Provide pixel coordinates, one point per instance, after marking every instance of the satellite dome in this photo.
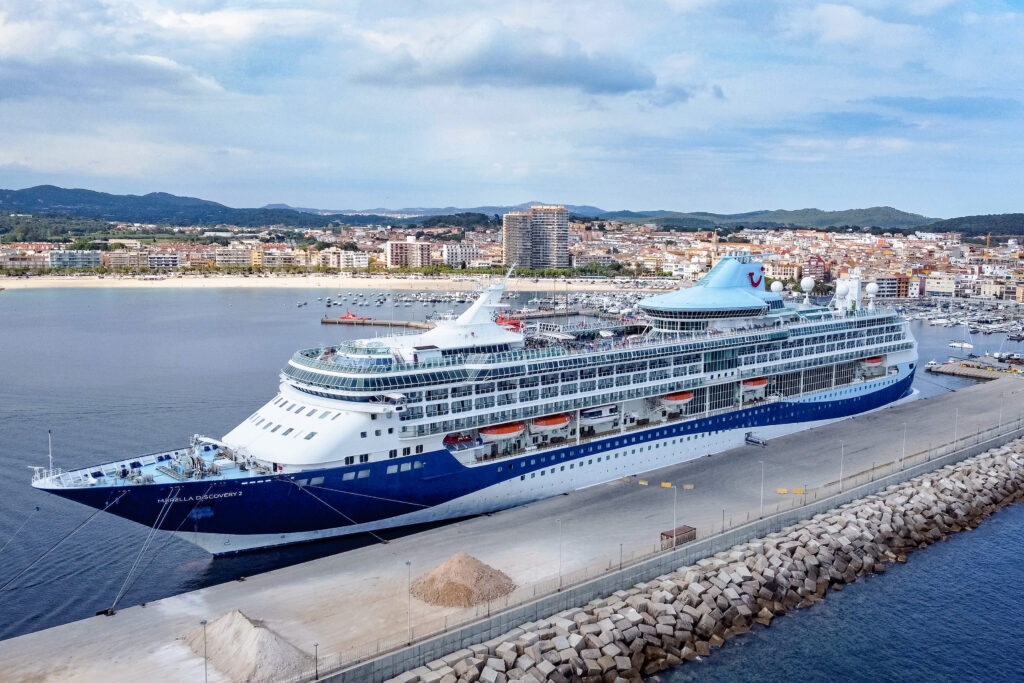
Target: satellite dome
(777, 286)
(842, 289)
(872, 288)
(807, 284)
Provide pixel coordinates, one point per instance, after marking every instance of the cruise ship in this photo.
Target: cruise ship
(477, 415)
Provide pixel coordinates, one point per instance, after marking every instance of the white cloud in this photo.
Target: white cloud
(845, 25)
(108, 152)
(489, 53)
(233, 25)
(112, 77)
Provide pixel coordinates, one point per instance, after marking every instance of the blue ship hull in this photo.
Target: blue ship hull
(290, 508)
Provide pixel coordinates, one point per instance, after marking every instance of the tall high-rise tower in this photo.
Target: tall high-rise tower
(538, 238)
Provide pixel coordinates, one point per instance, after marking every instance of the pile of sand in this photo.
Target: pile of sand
(462, 581)
(245, 650)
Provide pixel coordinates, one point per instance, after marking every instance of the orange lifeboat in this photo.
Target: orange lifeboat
(677, 398)
(501, 432)
(550, 422)
(873, 360)
(755, 383)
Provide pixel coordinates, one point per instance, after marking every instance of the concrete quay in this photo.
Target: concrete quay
(644, 628)
(583, 534)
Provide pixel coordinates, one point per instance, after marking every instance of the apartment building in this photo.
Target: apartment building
(407, 254)
(538, 238)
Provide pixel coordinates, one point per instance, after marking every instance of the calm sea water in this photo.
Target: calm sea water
(121, 372)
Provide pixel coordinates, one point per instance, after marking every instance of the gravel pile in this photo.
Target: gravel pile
(642, 630)
(243, 650)
(462, 581)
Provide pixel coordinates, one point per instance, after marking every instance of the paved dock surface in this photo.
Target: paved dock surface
(359, 597)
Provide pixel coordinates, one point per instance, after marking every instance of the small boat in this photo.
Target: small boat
(457, 439)
(550, 422)
(755, 383)
(873, 360)
(509, 430)
(961, 345)
(931, 364)
(677, 399)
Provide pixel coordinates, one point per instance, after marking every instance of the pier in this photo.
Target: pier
(552, 547)
(979, 371)
(377, 322)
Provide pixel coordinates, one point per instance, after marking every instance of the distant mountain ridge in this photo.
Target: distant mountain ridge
(588, 211)
(878, 216)
(161, 207)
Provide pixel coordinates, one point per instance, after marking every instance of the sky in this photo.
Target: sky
(690, 105)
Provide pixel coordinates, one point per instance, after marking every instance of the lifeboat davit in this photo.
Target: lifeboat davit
(755, 383)
(873, 360)
(550, 422)
(677, 399)
(501, 432)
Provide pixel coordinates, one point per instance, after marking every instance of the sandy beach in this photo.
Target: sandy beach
(319, 281)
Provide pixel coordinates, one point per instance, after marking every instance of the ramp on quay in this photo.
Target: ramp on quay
(356, 602)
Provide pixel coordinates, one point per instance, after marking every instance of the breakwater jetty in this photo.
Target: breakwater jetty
(645, 628)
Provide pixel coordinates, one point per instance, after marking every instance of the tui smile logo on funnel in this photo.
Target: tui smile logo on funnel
(756, 283)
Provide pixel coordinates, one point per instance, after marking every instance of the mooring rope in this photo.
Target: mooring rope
(161, 516)
(351, 521)
(18, 530)
(64, 538)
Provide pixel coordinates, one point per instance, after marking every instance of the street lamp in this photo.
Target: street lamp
(205, 675)
(408, 612)
(316, 661)
(903, 457)
(956, 427)
(842, 455)
(762, 487)
(559, 554)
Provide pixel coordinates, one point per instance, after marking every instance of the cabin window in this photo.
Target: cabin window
(275, 429)
(310, 435)
(362, 435)
(363, 474)
(419, 449)
(287, 431)
(406, 450)
(365, 457)
(417, 465)
(350, 460)
(392, 469)
(393, 453)
(348, 476)
(405, 467)
(324, 414)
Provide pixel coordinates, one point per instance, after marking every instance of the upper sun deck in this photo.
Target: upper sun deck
(729, 306)
(383, 360)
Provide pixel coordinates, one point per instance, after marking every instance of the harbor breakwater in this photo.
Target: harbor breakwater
(679, 616)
